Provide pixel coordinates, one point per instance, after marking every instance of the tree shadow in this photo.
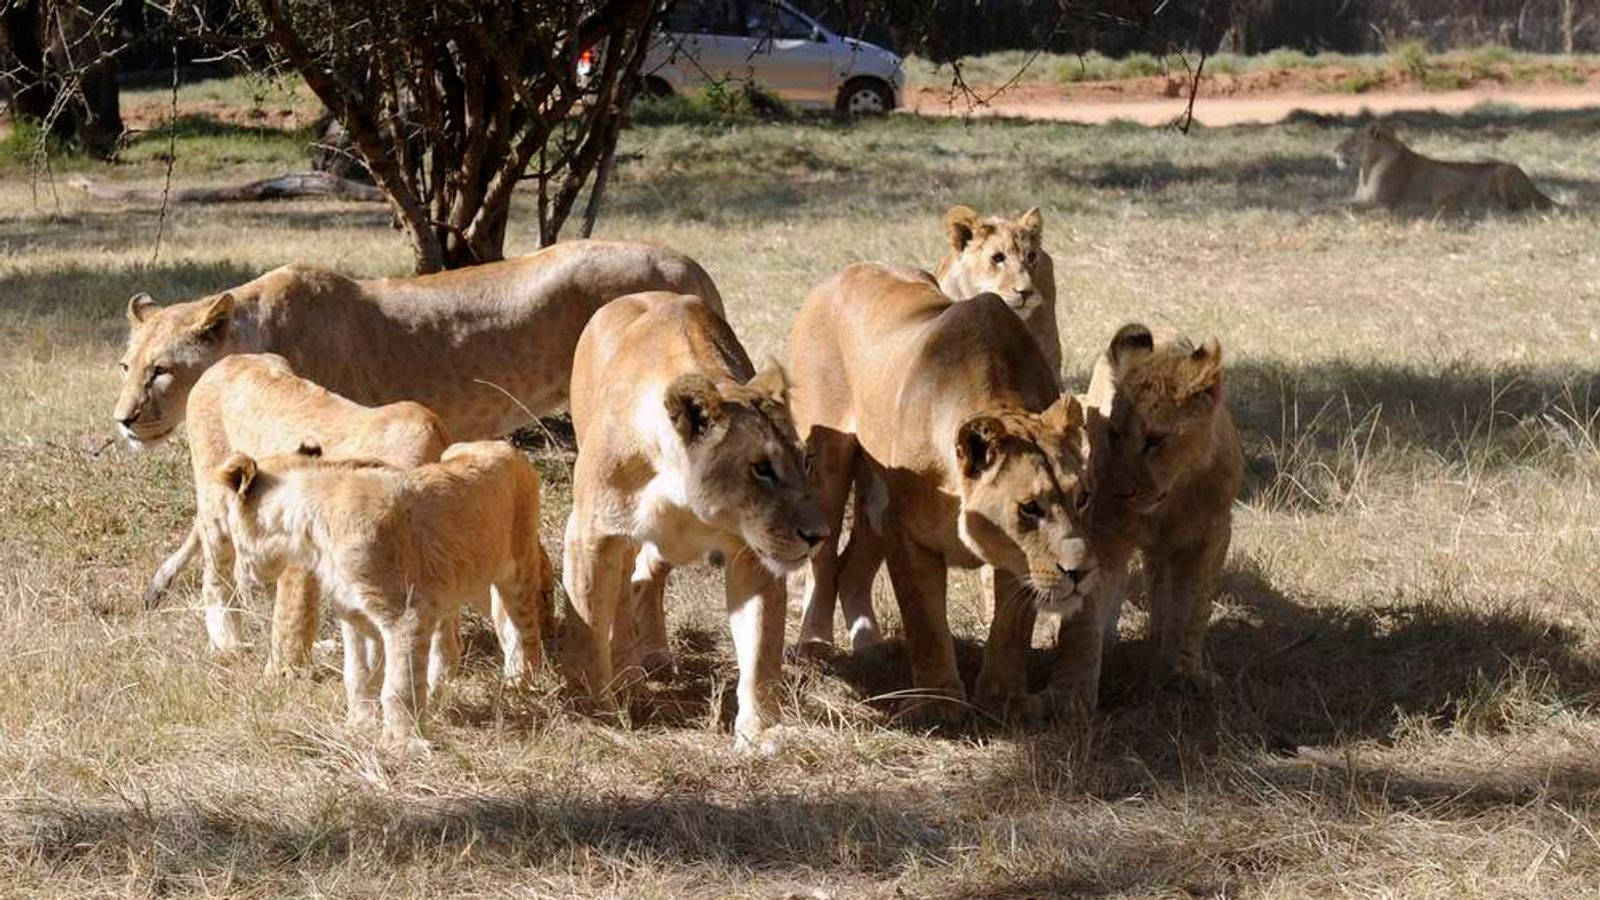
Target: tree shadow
(1334, 413)
(1488, 120)
(770, 829)
(98, 295)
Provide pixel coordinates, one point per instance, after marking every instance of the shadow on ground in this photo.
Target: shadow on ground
(1330, 412)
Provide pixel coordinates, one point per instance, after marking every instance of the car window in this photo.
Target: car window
(768, 19)
(705, 17)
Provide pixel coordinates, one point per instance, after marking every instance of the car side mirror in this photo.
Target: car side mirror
(817, 36)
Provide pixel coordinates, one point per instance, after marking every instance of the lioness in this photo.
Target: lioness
(948, 420)
(1168, 464)
(1393, 176)
(254, 403)
(683, 454)
(398, 549)
(484, 347)
(1000, 256)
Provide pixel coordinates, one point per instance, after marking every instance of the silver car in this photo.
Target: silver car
(772, 45)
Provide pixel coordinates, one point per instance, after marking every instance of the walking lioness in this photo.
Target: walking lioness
(948, 421)
(683, 455)
(1395, 177)
(484, 347)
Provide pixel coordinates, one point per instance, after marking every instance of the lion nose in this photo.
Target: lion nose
(1024, 293)
(1073, 576)
(812, 536)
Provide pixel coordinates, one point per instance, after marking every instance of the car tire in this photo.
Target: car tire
(865, 97)
(655, 88)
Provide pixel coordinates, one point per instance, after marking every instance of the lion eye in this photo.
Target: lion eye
(158, 371)
(998, 258)
(123, 366)
(1152, 442)
(762, 471)
(1030, 511)
(1082, 501)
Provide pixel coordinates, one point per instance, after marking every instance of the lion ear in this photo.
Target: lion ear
(978, 444)
(695, 407)
(961, 223)
(140, 306)
(1064, 415)
(772, 380)
(1131, 343)
(1032, 223)
(237, 473)
(214, 319)
(1204, 370)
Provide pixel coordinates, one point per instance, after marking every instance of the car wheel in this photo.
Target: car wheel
(865, 97)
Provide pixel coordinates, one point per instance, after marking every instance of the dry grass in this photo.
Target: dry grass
(1407, 636)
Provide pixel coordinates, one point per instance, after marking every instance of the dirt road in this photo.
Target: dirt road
(1041, 102)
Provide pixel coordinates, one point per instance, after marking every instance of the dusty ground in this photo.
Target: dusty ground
(1407, 641)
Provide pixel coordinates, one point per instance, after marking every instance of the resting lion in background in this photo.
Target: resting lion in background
(1395, 177)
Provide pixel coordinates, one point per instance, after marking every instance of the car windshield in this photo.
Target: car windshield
(706, 17)
(769, 20)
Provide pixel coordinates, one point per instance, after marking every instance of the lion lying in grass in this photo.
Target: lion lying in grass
(1395, 177)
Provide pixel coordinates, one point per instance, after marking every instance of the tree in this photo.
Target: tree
(62, 69)
(451, 104)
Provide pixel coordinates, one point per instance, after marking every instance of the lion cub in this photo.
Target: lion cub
(1169, 472)
(684, 454)
(1004, 257)
(398, 549)
(256, 404)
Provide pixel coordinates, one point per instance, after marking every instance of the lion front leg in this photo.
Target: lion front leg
(757, 606)
(295, 610)
(1002, 688)
(404, 696)
(594, 570)
(221, 595)
(1183, 588)
(651, 650)
(1081, 645)
(921, 586)
(831, 455)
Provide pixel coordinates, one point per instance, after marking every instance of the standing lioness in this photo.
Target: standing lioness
(484, 347)
(948, 421)
(683, 454)
(1393, 176)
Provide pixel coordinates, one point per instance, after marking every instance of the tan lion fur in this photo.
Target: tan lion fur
(1005, 257)
(1168, 465)
(1393, 176)
(684, 454)
(255, 404)
(946, 418)
(397, 550)
(485, 347)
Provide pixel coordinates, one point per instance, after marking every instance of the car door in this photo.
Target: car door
(705, 42)
(792, 57)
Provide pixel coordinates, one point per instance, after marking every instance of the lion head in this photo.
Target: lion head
(1025, 497)
(168, 349)
(1160, 423)
(745, 469)
(263, 547)
(993, 255)
(1365, 146)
